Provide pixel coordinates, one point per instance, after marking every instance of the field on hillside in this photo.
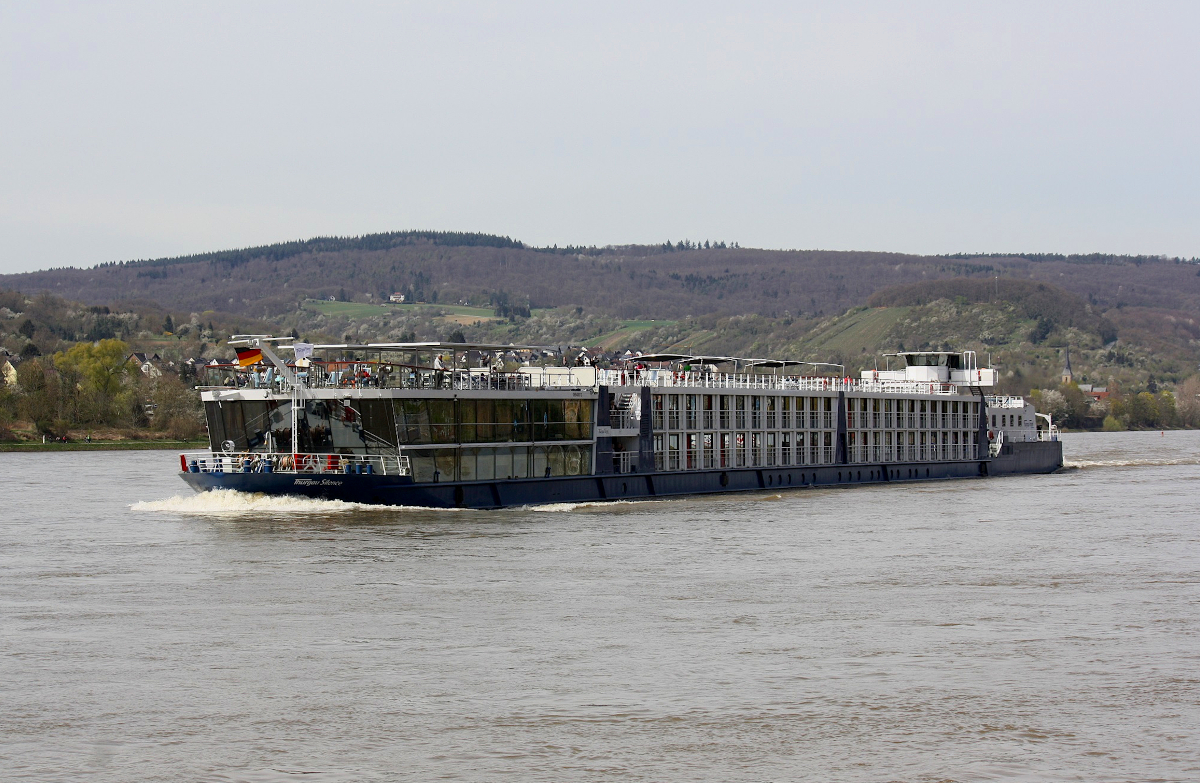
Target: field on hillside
(453, 313)
(850, 334)
(617, 337)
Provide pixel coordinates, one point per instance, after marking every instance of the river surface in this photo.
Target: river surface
(1037, 628)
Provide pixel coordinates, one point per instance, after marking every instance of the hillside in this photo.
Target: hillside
(668, 281)
(1126, 318)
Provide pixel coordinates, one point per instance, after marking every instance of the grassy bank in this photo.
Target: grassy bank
(107, 445)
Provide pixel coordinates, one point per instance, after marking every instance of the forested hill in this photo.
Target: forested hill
(670, 280)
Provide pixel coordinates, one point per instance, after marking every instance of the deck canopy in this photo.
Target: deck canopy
(435, 347)
(774, 363)
(663, 357)
(249, 339)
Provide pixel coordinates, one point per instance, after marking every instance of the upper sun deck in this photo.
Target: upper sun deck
(481, 367)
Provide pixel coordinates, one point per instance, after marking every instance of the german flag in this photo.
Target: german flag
(248, 356)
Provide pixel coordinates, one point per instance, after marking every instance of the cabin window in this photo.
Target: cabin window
(577, 461)
(493, 463)
(673, 412)
(504, 463)
(556, 459)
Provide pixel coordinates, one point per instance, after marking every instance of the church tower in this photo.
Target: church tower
(1067, 376)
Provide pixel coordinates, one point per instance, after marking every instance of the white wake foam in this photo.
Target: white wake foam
(1126, 462)
(593, 504)
(230, 502)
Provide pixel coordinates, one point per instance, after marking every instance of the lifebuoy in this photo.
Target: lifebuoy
(991, 435)
(876, 376)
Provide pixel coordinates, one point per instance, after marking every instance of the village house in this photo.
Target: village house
(147, 363)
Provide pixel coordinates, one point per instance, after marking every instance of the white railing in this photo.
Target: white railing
(623, 420)
(258, 462)
(725, 380)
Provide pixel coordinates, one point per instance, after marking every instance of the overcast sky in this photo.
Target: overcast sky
(137, 130)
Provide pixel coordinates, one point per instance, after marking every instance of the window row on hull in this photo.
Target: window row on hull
(704, 450)
(756, 411)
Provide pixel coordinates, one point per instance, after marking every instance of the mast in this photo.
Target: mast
(297, 387)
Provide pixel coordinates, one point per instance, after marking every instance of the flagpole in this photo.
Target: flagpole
(292, 379)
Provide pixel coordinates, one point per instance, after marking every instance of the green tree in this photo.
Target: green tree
(1167, 414)
(27, 329)
(168, 326)
(1077, 405)
(176, 408)
(1143, 410)
(38, 397)
(97, 374)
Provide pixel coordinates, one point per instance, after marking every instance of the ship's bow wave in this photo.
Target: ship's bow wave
(230, 502)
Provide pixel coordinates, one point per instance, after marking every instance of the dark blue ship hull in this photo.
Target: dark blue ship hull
(402, 491)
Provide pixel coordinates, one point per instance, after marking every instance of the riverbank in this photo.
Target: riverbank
(107, 445)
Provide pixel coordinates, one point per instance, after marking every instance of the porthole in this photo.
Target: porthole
(770, 480)
(859, 476)
(624, 488)
(839, 477)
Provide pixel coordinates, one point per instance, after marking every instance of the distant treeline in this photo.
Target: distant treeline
(1080, 258)
(673, 280)
(372, 242)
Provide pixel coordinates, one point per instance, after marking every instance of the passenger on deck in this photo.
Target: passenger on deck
(440, 367)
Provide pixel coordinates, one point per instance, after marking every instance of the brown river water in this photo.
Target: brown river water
(1038, 628)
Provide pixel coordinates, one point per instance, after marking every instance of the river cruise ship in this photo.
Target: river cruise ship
(483, 426)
